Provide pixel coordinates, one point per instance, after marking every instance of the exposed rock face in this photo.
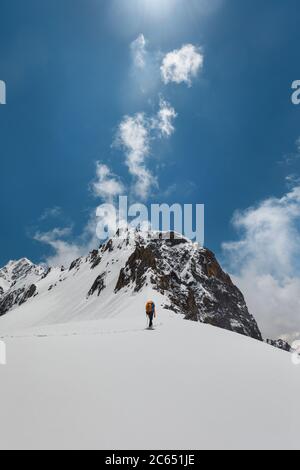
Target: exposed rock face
(193, 281)
(29, 293)
(75, 264)
(95, 259)
(16, 297)
(98, 285)
(10, 300)
(279, 344)
(17, 281)
(137, 267)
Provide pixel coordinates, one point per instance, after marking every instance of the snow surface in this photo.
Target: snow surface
(84, 373)
(111, 384)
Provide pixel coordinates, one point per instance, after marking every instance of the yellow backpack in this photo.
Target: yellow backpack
(149, 307)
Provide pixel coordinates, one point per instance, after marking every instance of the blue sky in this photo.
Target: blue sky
(72, 82)
(67, 68)
(70, 79)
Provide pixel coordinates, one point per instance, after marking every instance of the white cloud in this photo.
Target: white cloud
(64, 251)
(106, 186)
(139, 52)
(178, 66)
(65, 246)
(134, 137)
(265, 262)
(292, 180)
(164, 120)
(145, 78)
(292, 158)
(182, 65)
(51, 213)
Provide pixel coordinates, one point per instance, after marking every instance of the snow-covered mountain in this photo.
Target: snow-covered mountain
(15, 278)
(18, 273)
(176, 273)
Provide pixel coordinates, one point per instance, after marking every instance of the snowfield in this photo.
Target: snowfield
(83, 372)
(111, 384)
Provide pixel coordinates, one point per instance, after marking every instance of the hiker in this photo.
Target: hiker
(151, 312)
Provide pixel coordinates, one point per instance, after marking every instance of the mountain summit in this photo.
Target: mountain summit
(178, 275)
(18, 273)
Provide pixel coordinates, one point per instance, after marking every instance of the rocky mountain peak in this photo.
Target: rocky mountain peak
(191, 279)
(188, 279)
(17, 272)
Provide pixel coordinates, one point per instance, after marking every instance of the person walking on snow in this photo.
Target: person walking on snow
(151, 312)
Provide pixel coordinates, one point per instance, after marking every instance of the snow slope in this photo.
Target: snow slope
(110, 384)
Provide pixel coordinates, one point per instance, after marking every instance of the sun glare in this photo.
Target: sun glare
(126, 15)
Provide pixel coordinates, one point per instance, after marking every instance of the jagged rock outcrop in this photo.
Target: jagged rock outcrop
(95, 259)
(16, 297)
(28, 294)
(75, 264)
(17, 281)
(98, 285)
(279, 344)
